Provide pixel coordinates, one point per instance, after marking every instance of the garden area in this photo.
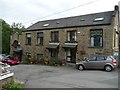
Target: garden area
(53, 61)
(13, 85)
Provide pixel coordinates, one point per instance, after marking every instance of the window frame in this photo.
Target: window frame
(54, 36)
(69, 36)
(40, 38)
(100, 36)
(37, 55)
(28, 38)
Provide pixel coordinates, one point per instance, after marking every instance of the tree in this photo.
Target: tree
(6, 31)
(17, 27)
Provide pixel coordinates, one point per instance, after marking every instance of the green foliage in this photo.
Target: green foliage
(6, 32)
(27, 60)
(52, 61)
(17, 27)
(58, 61)
(55, 61)
(41, 61)
(13, 86)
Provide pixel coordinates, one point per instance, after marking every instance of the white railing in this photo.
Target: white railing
(4, 72)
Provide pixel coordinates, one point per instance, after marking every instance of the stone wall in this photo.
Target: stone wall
(83, 39)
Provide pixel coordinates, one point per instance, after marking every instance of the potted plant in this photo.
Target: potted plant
(46, 60)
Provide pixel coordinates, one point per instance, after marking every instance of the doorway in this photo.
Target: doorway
(71, 55)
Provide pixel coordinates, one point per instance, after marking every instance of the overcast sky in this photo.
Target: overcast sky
(31, 11)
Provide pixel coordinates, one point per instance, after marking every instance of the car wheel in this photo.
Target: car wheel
(108, 68)
(80, 67)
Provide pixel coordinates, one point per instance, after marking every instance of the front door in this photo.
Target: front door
(71, 55)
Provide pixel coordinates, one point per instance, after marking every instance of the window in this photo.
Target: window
(40, 38)
(28, 54)
(39, 56)
(54, 53)
(98, 19)
(96, 38)
(92, 58)
(45, 25)
(28, 38)
(100, 58)
(55, 36)
(71, 36)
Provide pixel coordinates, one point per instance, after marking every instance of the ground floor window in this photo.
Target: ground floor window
(39, 56)
(28, 54)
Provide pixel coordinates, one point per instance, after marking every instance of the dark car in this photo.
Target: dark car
(106, 62)
(10, 60)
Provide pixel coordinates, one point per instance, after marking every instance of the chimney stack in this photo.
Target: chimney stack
(116, 8)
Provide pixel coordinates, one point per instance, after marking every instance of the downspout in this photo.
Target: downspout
(119, 34)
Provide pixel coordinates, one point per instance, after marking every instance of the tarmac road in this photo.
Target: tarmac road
(39, 76)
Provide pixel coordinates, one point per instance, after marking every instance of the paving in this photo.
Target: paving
(40, 76)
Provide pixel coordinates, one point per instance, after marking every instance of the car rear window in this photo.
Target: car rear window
(112, 57)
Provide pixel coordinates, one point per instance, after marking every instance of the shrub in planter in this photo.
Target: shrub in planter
(34, 60)
(41, 61)
(27, 60)
(52, 61)
(46, 60)
(58, 61)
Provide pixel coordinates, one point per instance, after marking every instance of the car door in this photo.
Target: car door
(90, 62)
(100, 62)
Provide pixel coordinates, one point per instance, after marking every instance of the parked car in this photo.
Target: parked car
(2, 56)
(10, 61)
(105, 62)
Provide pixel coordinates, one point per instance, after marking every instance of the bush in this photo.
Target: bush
(41, 61)
(13, 86)
(27, 60)
(55, 61)
(58, 61)
(52, 61)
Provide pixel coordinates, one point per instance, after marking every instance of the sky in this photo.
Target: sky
(28, 12)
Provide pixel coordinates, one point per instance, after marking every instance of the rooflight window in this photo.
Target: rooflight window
(99, 19)
(45, 25)
(82, 19)
(57, 22)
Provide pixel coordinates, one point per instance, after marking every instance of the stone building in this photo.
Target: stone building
(72, 38)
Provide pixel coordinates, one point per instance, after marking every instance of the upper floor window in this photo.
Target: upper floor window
(71, 36)
(40, 38)
(55, 36)
(28, 38)
(96, 38)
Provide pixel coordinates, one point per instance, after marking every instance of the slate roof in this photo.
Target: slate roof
(76, 21)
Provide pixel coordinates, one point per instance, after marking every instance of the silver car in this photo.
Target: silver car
(105, 62)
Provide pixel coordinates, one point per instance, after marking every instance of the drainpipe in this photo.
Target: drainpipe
(119, 35)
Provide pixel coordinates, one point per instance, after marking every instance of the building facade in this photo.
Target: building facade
(72, 38)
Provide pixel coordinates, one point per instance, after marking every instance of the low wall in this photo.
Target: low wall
(6, 78)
